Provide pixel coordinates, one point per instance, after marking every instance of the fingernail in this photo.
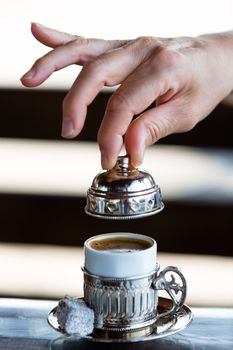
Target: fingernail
(29, 75)
(67, 128)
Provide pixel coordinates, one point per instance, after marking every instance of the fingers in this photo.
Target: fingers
(69, 49)
(161, 79)
(107, 70)
(53, 37)
(135, 94)
(79, 52)
(74, 52)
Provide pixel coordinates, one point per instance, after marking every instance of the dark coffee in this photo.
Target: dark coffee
(120, 244)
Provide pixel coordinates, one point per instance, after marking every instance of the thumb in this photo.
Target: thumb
(148, 128)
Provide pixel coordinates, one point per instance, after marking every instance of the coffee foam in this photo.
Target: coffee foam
(123, 250)
(120, 244)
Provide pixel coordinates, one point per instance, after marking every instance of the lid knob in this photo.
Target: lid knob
(124, 192)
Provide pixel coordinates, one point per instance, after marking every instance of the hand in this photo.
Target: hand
(185, 78)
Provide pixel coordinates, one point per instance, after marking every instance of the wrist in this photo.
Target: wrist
(220, 49)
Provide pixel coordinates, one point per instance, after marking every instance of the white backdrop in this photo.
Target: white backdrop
(102, 18)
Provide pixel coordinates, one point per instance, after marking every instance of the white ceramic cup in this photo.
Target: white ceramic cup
(121, 263)
(121, 284)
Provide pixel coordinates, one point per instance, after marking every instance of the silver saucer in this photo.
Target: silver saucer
(163, 327)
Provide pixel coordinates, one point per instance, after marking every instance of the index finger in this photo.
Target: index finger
(68, 49)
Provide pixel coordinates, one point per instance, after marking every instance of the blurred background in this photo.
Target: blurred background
(44, 179)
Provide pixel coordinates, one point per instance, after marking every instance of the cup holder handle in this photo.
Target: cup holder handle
(176, 290)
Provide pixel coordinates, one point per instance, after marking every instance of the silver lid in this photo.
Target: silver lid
(124, 192)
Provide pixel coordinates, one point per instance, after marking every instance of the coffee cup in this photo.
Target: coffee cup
(120, 255)
(121, 284)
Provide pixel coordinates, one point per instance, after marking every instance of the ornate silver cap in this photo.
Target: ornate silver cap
(124, 192)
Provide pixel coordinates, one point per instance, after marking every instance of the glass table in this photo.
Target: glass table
(23, 325)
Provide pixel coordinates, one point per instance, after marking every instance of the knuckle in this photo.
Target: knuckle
(142, 46)
(81, 41)
(96, 68)
(41, 61)
(171, 57)
(118, 101)
(154, 131)
(48, 62)
(159, 128)
(145, 41)
(166, 57)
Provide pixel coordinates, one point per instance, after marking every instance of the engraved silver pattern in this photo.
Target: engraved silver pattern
(123, 192)
(124, 305)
